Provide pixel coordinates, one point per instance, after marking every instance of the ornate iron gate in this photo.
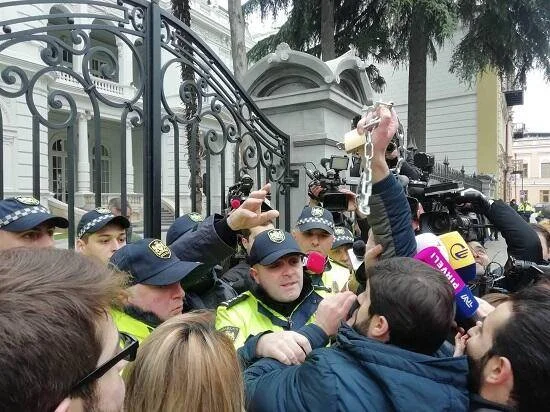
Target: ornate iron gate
(127, 74)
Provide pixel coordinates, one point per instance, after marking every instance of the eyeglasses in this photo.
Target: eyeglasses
(129, 347)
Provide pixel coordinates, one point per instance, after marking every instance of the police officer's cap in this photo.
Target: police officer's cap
(342, 236)
(181, 225)
(151, 262)
(271, 245)
(96, 219)
(315, 217)
(18, 214)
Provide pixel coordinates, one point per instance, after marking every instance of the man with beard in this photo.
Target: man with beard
(383, 358)
(509, 354)
(155, 294)
(59, 347)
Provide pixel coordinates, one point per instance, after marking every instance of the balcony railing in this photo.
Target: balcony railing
(103, 86)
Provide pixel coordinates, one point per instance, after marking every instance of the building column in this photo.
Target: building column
(83, 166)
(129, 159)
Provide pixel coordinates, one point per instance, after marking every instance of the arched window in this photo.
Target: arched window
(105, 169)
(105, 40)
(63, 35)
(58, 162)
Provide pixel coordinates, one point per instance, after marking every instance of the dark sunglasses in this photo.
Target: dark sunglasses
(129, 347)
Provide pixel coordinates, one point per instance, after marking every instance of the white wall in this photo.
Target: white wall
(451, 109)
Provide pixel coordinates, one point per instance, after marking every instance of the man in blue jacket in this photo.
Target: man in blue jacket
(383, 360)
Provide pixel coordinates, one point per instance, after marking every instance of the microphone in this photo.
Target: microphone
(357, 253)
(314, 262)
(466, 304)
(235, 203)
(460, 256)
(424, 240)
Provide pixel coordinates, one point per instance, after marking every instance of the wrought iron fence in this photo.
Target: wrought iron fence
(443, 173)
(150, 94)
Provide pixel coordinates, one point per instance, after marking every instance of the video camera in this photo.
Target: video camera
(240, 191)
(330, 196)
(441, 212)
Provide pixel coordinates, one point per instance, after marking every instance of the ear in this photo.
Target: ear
(293, 233)
(80, 245)
(254, 275)
(64, 405)
(498, 371)
(379, 328)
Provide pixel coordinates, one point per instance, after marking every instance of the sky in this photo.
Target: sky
(536, 103)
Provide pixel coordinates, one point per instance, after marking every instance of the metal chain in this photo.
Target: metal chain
(365, 184)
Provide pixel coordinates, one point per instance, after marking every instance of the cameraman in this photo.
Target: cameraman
(521, 239)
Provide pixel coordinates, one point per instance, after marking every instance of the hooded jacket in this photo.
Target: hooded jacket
(359, 374)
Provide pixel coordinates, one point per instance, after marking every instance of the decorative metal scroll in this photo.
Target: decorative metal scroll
(100, 61)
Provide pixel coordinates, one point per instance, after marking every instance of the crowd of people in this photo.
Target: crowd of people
(295, 325)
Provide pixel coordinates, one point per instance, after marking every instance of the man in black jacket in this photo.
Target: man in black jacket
(522, 241)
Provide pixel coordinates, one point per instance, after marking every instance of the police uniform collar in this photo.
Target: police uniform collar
(149, 318)
(284, 308)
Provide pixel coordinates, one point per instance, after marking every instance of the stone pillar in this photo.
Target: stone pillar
(125, 63)
(83, 166)
(129, 159)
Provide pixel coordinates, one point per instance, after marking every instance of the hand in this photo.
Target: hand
(250, 214)
(484, 308)
(383, 133)
(287, 347)
(372, 255)
(372, 250)
(332, 310)
(478, 200)
(460, 343)
(351, 197)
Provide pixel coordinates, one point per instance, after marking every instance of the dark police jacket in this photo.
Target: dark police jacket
(359, 374)
(210, 244)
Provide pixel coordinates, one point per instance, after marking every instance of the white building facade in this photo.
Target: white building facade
(208, 20)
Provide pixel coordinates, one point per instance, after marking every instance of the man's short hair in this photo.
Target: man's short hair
(525, 341)
(416, 300)
(50, 304)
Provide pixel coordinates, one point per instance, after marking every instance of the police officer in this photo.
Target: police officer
(182, 225)
(100, 233)
(283, 300)
(155, 294)
(314, 232)
(206, 291)
(343, 241)
(24, 222)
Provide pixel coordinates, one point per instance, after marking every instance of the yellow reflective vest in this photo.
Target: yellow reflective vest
(338, 275)
(127, 324)
(246, 316)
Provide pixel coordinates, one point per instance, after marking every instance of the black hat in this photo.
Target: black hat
(343, 236)
(151, 262)
(18, 214)
(271, 245)
(181, 225)
(315, 218)
(94, 220)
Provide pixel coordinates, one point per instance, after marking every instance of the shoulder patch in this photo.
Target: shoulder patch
(231, 331)
(237, 299)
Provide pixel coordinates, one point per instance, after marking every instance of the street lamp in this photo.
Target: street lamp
(518, 172)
